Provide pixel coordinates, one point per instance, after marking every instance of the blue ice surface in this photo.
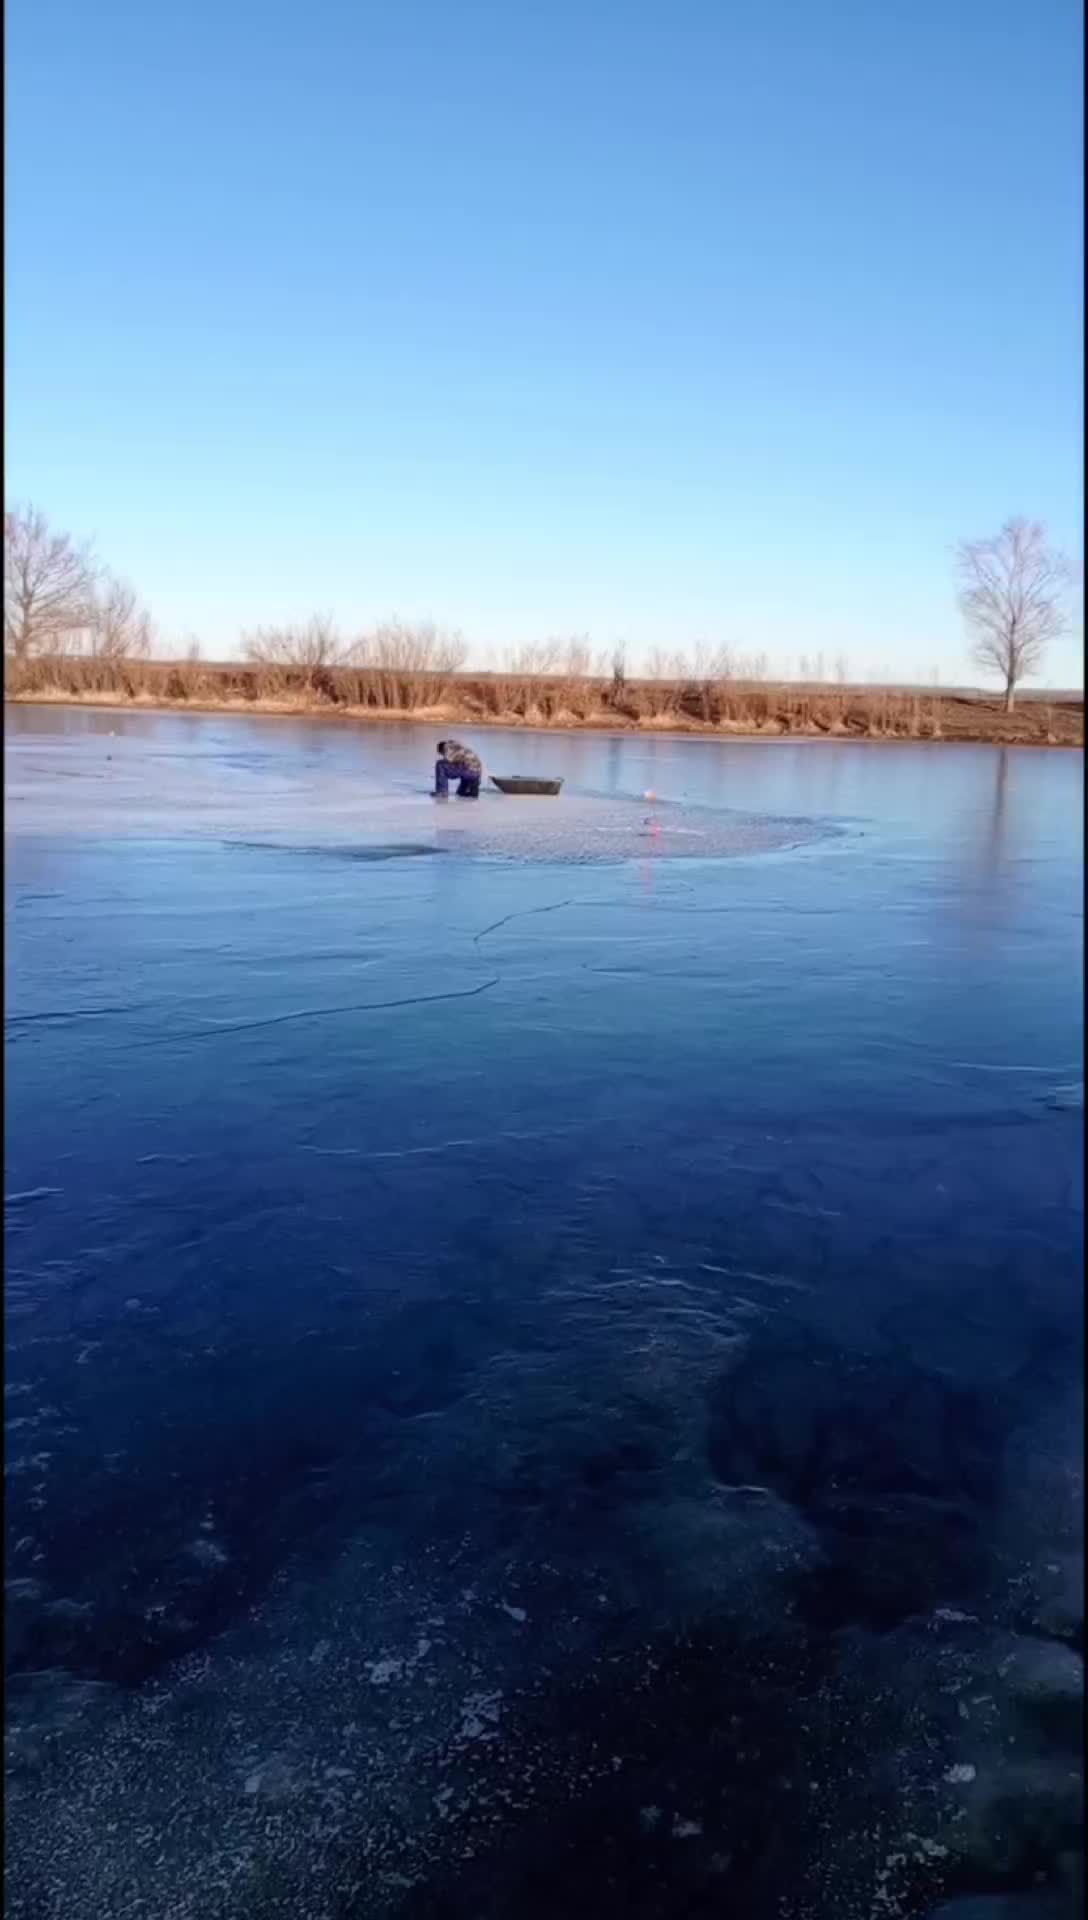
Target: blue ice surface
(461, 1258)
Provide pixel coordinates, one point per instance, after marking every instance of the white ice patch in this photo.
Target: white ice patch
(581, 829)
(382, 1673)
(480, 1714)
(1068, 1098)
(207, 1553)
(686, 1829)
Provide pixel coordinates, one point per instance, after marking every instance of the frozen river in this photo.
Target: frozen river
(543, 1338)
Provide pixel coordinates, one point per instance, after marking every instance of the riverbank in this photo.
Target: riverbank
(730, 709)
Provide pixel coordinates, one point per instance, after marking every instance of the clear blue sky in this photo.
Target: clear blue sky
(708, 320)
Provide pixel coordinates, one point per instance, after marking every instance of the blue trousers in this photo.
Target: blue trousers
(447, 770)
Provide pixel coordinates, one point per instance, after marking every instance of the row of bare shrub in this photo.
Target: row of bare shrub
(545, 700)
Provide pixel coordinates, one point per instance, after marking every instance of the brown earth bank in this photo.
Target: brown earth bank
(754, 709)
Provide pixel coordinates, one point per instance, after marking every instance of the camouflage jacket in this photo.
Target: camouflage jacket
(458, 756)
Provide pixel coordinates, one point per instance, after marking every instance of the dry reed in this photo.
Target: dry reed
(560, 699)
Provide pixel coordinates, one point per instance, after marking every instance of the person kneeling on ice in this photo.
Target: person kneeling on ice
(459, 763)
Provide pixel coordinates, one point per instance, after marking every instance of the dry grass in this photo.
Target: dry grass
(689, 705)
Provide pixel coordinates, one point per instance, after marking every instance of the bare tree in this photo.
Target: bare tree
(536, 657)
(713, 662)
(49, 585)
(578, 657)
(120, 627)
(752, 666)
(400, 646)
(572, 658)
(316, 644)
(1012, 597)
(842, 669)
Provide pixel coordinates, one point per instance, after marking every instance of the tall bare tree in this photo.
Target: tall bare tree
(49, 585)
(1012, 597)
(120, 626)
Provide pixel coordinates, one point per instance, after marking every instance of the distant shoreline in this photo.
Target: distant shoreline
(896, 717)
